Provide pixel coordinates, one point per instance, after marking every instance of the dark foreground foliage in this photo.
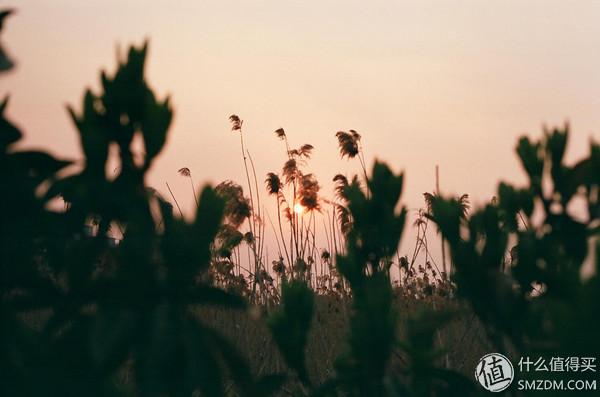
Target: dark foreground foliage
(76, 309)
(539, 302)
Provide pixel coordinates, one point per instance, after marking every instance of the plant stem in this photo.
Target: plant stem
(194, 191)
(174, 199)
(287, 256)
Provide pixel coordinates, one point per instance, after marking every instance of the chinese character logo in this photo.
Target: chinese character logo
(494, 372)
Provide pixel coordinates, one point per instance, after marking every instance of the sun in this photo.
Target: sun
(299, 209)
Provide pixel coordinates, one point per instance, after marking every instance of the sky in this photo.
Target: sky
(426, 83)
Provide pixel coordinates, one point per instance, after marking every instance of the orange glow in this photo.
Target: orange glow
(424, 83)
(299, 209)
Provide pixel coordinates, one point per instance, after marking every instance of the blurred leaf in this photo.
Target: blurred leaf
(9, 133)
(5, 62)
(290, 325)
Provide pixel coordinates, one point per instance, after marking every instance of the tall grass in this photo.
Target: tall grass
(77, 312)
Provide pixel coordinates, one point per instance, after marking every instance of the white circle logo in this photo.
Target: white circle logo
(494, 372)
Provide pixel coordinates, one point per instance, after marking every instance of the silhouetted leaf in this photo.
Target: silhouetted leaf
(290, 324)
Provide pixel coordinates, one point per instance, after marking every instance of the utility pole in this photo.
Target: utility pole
(437, 193)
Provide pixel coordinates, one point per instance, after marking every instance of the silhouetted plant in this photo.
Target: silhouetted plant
(25, 284)
(350, 146)
(79, 308)
(422, 221)
(421, 376)
(185, 172)
(373, 239)
(6, 62)
(106, 308)
(290, 323)
(304, 191)
(255, 220)
(363, 368)
(540, 301)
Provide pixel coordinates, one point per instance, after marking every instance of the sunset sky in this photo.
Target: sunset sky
(452, 83)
